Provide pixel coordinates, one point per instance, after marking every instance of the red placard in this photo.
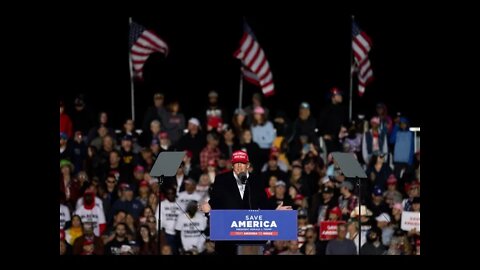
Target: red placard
(328, 229)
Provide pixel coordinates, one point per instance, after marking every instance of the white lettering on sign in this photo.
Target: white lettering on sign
(254, 224)
(254, 217)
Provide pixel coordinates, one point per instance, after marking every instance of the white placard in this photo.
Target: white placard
(410, 220)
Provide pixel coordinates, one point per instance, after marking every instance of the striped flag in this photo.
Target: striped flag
(255, 66)
(144, 42)
(361, 46)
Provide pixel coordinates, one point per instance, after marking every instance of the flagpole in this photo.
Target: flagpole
(132, 89)
(240, 92)
(351, 73)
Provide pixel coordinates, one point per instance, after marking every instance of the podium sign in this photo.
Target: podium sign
(238, 225)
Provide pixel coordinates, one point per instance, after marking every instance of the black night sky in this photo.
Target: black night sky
(307, 55)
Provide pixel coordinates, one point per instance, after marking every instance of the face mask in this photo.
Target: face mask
(88, 199)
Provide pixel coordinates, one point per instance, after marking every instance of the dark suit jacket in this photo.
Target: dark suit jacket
(225, 194)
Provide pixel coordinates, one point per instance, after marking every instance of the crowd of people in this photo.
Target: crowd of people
(109, 203)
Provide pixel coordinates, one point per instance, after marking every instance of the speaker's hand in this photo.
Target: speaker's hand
(204, 207)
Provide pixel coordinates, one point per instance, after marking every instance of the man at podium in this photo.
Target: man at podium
(237, 190)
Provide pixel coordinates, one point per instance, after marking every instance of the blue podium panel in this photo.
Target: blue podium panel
(238, 225)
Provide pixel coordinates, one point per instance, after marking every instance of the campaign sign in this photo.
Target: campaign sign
(328, 229)
(241, 225)
(410, 220)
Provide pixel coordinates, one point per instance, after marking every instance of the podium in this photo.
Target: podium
(252, 225)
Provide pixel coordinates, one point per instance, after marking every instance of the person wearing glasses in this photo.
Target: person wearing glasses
(378, 172)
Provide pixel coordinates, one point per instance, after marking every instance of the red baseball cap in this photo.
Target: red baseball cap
(392, 179)
(87, 242)
(299, 197)
(335, 91)
(375, 120)
(125, 186)
(139, 168)
(240, 157)
(336, 210)
(259, 110)
(163, 135)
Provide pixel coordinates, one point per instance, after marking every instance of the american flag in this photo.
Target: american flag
(361, 46)
(255, 66)
(144, 42)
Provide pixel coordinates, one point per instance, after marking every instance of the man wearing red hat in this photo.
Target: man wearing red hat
(331, 119)
(88, 243)
(237, 190)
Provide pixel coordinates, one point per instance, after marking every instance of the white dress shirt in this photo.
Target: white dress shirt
(241, 187)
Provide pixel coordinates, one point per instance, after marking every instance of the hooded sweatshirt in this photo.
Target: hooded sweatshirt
(92, 213)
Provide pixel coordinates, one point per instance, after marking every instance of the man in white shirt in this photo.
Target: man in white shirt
(190, 226)
(170, 212)
(89, 212)
(64, 216)
(190, 194)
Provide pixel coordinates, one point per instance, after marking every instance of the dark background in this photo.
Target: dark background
(307, 55)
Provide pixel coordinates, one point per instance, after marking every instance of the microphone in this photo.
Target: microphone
(243, 177)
